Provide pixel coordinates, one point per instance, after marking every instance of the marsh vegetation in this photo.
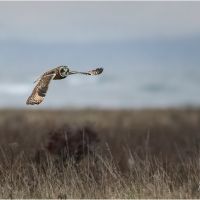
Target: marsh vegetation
(100, 153)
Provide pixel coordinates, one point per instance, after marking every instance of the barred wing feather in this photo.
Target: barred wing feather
(40, 90)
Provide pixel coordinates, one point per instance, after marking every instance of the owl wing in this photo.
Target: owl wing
(96, 71)
(40, 90)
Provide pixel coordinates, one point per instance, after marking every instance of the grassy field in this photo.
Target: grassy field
(100, 154)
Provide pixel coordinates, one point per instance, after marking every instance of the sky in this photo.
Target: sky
(87, 22)
(149, 52)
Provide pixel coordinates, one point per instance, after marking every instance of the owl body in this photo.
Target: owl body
(58, 73)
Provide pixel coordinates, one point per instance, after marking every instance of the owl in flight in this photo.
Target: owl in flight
(61, 72)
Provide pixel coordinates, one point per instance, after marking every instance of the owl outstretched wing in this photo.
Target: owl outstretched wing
(40, 90)
(93, 72)
(96, 71)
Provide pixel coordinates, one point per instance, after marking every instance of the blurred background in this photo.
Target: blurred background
(150, 52)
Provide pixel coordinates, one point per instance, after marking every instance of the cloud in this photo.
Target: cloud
(64, 22)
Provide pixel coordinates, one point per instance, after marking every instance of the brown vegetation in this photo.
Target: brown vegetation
(100, 154)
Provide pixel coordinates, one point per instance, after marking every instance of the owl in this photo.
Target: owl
(42, 83)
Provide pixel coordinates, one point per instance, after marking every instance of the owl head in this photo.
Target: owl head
(64, 70)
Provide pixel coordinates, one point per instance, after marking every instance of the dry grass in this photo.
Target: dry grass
(100, 154)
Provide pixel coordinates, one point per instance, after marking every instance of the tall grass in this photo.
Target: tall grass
(100, 154)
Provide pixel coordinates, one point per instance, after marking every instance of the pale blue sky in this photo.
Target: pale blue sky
(54, 22)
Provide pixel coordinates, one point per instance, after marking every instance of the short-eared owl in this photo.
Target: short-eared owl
(61, 72)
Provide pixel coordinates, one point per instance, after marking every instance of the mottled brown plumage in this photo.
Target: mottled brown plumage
(61, 72)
